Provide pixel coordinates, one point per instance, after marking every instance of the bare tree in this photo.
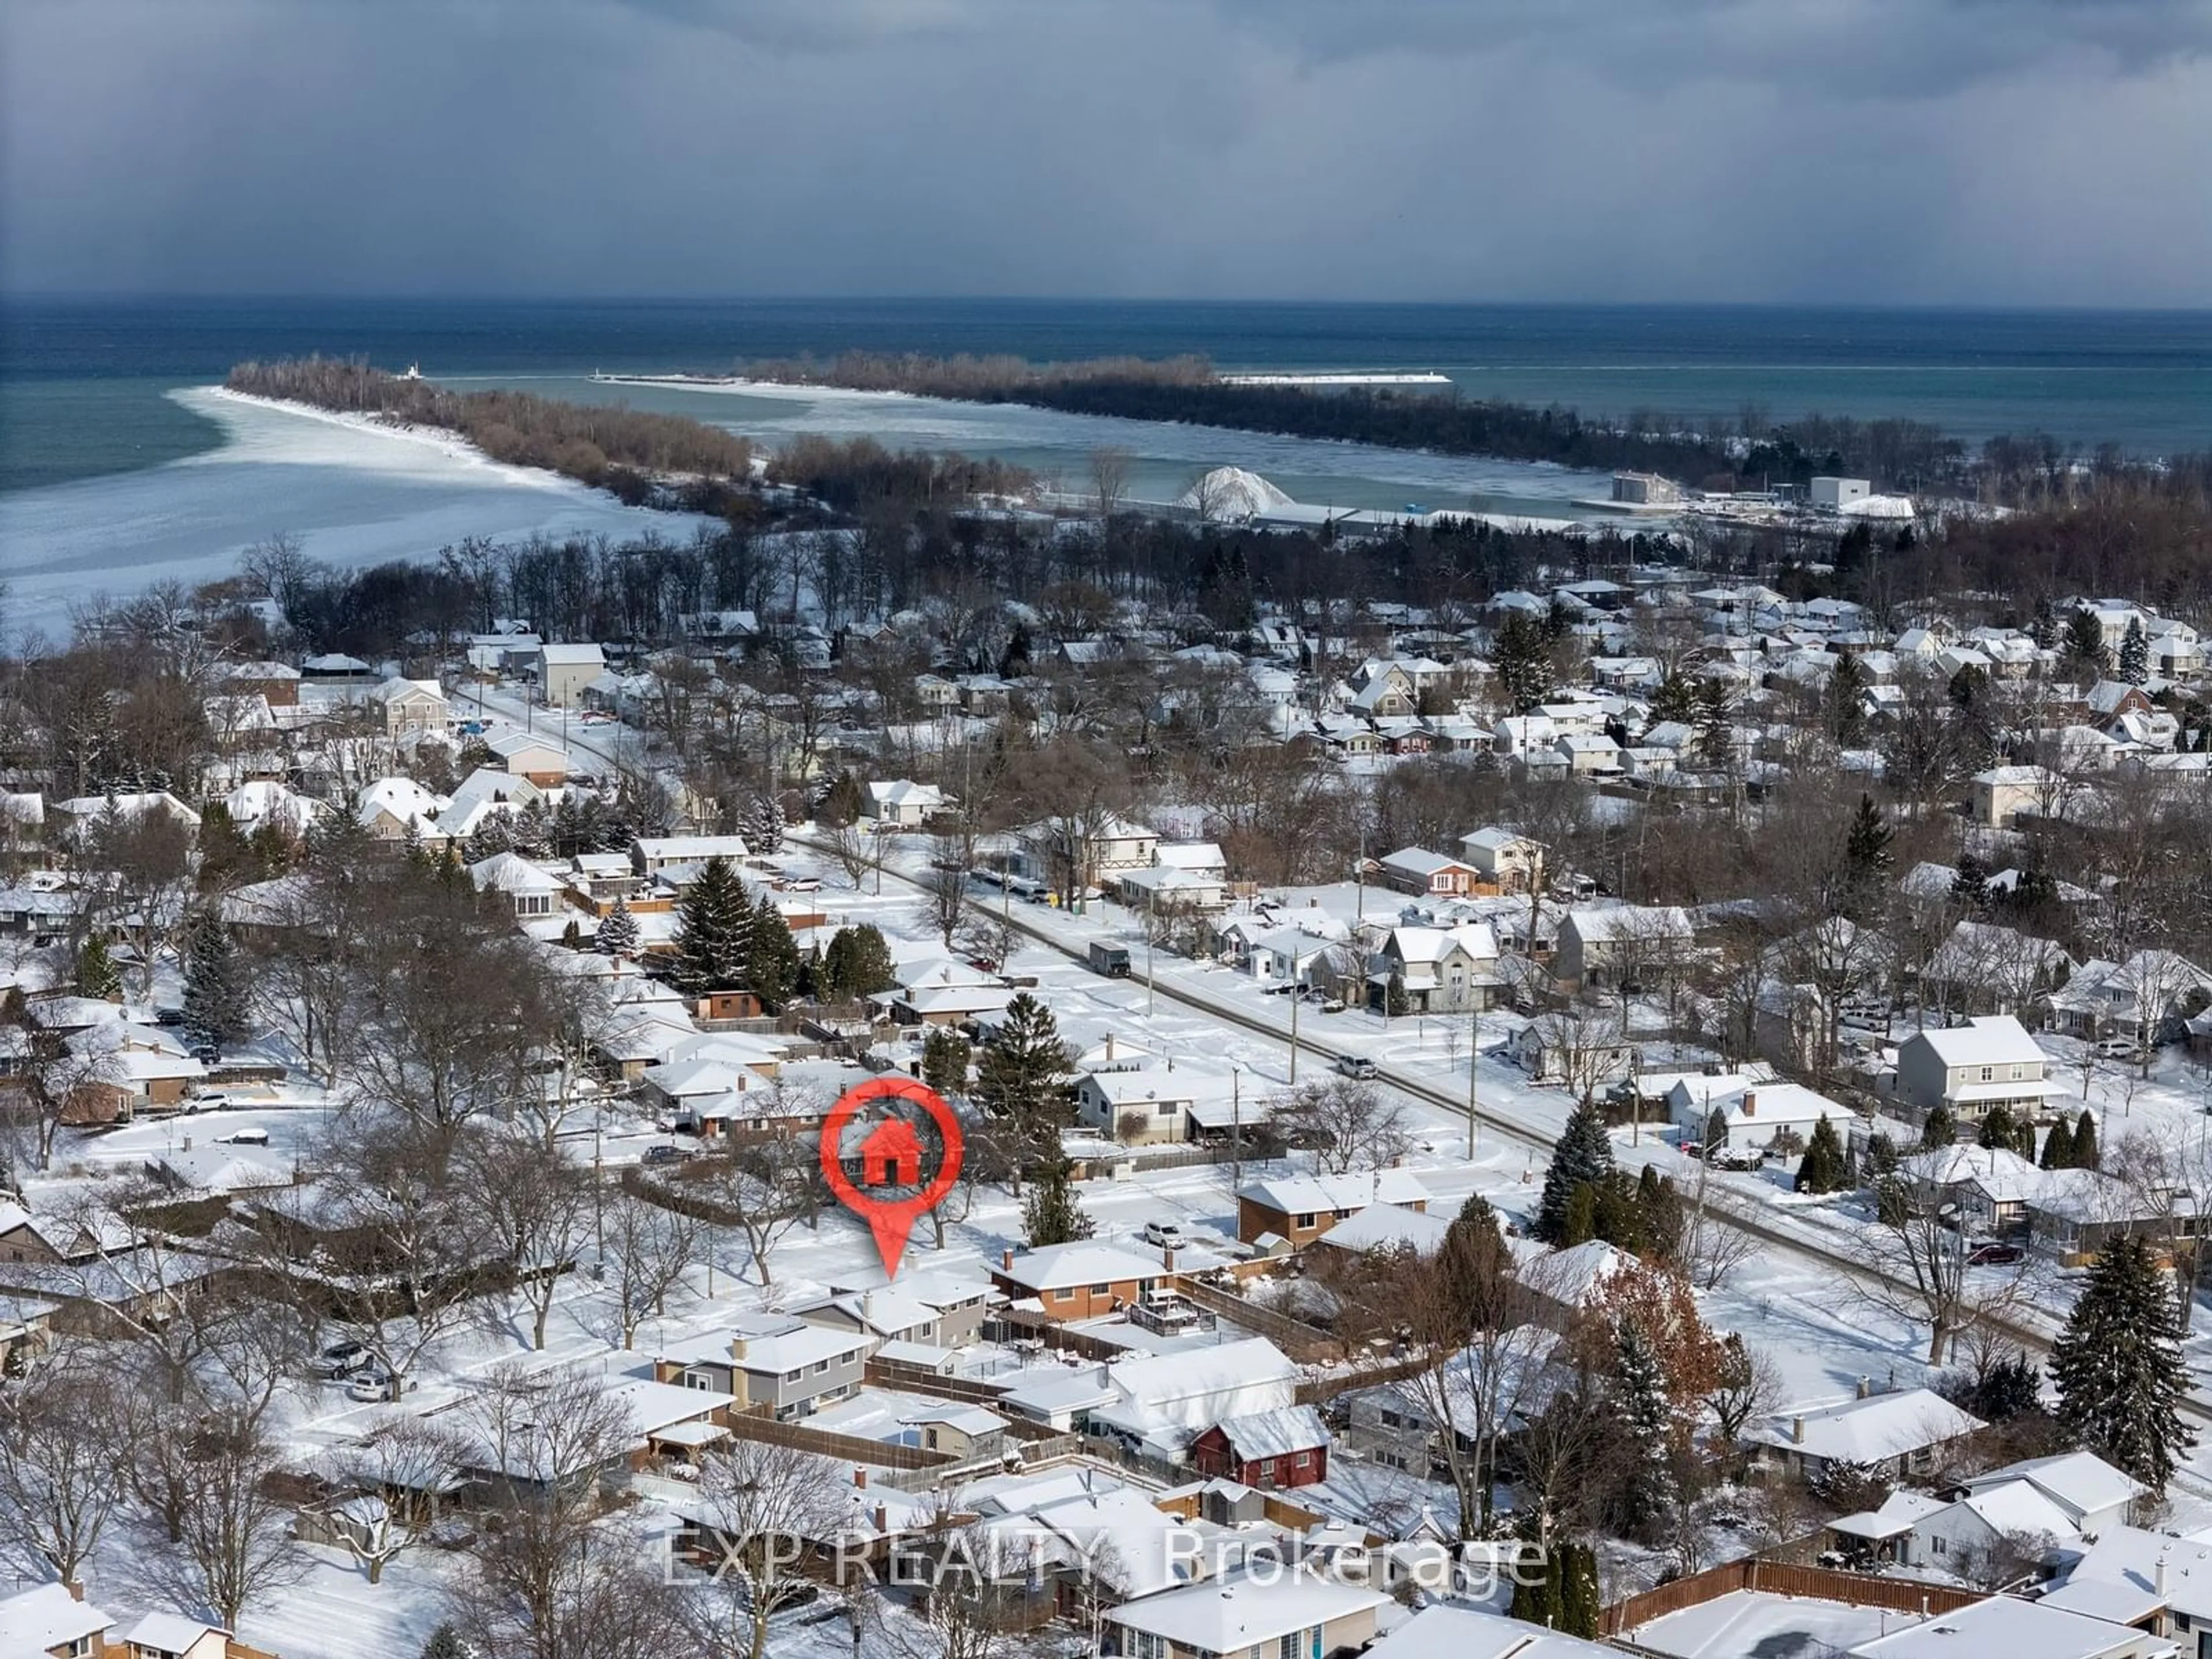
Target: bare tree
(61, 1437)
(767, 1187)
(141, 860)
(945, 886)
(395, 1475)
(1109, 481)
(53, 1073)
(762, 1506)
(1347, 1124)
(555, 1576)
(1746, 1384)
(644, 1253)
(537, 1210)
(1911, 1262)
(1712, 1246)
(234, 1533)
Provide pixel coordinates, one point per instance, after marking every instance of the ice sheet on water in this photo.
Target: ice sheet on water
(353, 493)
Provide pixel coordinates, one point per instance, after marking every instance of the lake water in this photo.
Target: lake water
(111, 468)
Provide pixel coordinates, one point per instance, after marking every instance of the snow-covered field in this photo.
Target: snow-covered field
(353, 492)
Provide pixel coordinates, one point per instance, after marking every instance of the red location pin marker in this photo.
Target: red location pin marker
(890, 1156)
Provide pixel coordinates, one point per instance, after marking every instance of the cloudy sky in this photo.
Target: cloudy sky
(2005, 151)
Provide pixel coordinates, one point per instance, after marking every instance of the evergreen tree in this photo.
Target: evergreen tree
(1881, 1155)
(2118, 1366)
(1997, 1132)
(1050, 1214)
(771, 956)
(1716, 739)
(1673, 700)
(1822, 1168)
(1520, 659)
(1580, 1606)
(445, 1642)
(2134, 653)
(1618, 1215)
(1583, 1157)
(2042, 626)
(841, 802)
(618, 932)
(1018, 1079)
(858, 964)
(1578, 1225)
(2058, 1147)
(1867, 857)
(1395, 1004)
(713, 931)
(2085, 642)
(1970, 887)
(944, 1056)
(1646, 1418)
(572, 936)
(1939, 1131)
(216, 992)
(1852, 1180)
(2011, 1388)
(2085, 1153)
(1846, 711)
(97, 975)
(763, 825)
(1539, 1589)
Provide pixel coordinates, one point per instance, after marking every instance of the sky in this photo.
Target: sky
(1973, 152)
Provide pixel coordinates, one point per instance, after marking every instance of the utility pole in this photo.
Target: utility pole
(1236, 1126)
(1297, 996)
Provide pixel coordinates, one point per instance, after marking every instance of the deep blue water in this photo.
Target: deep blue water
(80, 383)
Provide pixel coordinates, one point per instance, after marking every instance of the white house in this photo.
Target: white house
(1903, 1433)
(1968, 1069)
(1748, 1114)
(901, 804)
(563, 672)
(1510, 862)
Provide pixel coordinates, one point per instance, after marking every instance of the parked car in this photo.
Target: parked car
(2117, 1048)
(1736, 1158)
(340, 1359)
(244, 1138)
(374, 1382)
(169, 1017)
(208, 1055)
(1166, 1233)
(207, 1102)
(1359, 1066)
(1994, 1253)
(664, 1154)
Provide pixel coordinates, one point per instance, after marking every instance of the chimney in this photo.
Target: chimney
(1167, 1258)
(883, 1517)
(868, 1306)
(1866, 1386)
(1797, 1431)
(1751, 1102)
(1110, 1048)
(861, 1477)
(1006, 1257)
(737, 1345)
(76, 1589)
(2158, 1578)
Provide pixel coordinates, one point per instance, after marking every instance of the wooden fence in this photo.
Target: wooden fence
(1855, 1589)
(1307, 1344)
(846, 1448)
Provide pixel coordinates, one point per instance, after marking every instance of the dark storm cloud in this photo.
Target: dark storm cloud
(2023, 150)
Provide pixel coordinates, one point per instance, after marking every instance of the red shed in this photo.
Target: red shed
(1285, 1448)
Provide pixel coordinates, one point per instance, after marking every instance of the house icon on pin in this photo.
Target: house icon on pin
(891, 1155)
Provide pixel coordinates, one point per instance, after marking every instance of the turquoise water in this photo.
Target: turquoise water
(82, 385)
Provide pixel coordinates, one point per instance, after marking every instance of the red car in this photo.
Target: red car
(1994, 1255)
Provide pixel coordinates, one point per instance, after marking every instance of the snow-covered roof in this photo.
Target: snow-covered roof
(1989, 1039)
(1388, 1226)
(1298, 1194)
(1235, 1613)
(1458, 1632)
(1084, 1262)
(1869, 1431)
(2005, 1625)
(1279, 1433)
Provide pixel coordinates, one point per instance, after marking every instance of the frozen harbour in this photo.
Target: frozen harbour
(355, 492)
